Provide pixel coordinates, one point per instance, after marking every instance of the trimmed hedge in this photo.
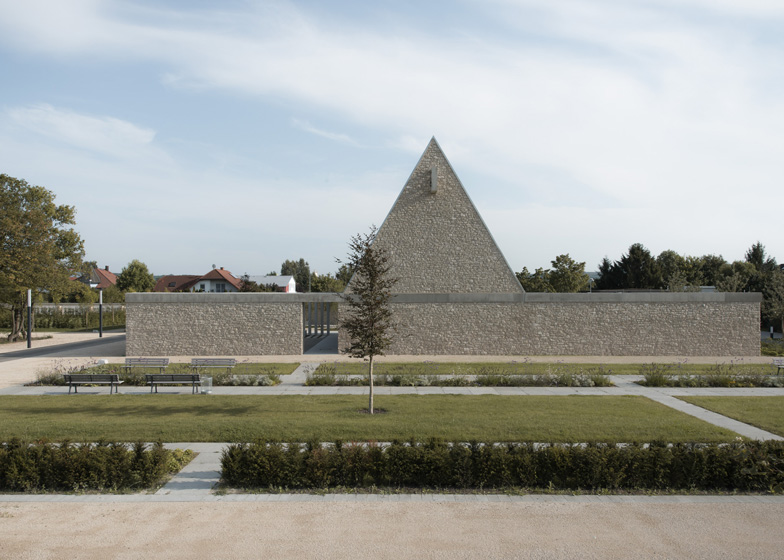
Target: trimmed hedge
(742, 466)
(72, 467)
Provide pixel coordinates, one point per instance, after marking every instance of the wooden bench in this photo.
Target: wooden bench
(197, 364)
(75, 379)
(155, 379)
(779, 363)
(159, 363)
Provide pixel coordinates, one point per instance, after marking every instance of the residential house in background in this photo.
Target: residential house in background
(217, 280)
(102, 278)
(282, 283)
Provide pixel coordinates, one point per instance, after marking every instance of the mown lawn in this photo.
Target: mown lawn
(300, 418)
(763, 412)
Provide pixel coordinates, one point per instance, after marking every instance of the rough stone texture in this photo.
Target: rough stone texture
(210, 328)
(437, 242)
(589, 329)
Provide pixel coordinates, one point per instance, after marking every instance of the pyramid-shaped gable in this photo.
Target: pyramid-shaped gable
(437, 241)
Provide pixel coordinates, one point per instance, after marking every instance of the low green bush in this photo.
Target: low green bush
(773, 347)
(114, 467)
(740, 466)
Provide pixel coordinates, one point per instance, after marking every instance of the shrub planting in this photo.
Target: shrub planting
(245, 374)
(718, 375)
(82, 317)
(740, 466)
(480, 376)
(69, 467)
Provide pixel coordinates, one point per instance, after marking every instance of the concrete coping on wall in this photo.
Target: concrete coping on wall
(604, 297)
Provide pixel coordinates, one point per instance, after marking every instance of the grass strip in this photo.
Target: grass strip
(244, 418)
(766, 413)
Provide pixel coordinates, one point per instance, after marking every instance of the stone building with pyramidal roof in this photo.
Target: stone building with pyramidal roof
(455, 295)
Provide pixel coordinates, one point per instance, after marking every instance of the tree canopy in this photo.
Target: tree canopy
(135, 278)
(38, 250)
(566, 276)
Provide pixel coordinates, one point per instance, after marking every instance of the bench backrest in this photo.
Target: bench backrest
(91, 377)
(146, 361)
(778, 361)
(172, 377)
(213, 362)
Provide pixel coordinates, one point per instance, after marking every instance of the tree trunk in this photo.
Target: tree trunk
(17, 324)
(370, 382)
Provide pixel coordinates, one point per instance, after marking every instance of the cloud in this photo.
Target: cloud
(646, 108)
(105, 135)
(337, 137)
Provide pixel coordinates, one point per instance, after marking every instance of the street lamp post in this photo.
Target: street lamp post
(29, 318)
(100, 313)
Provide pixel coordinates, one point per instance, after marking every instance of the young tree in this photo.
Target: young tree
(135, 278)
(368, 322)
(37, 249)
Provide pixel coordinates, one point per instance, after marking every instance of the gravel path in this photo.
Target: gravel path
(390, 530)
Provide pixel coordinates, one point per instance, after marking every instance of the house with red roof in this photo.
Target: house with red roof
(102, 278)
(216, 280)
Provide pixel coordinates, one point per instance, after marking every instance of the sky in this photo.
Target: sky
(243, 133)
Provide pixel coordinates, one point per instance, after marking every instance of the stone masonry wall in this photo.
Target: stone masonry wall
(697, 325)
(621, 329)
(201, 327)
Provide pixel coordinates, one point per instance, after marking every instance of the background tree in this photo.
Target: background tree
(368, 322)
(640, 270)
(735, 277)
(536, 281)
(344, 274)
(300, 270)
(325, 283)
(112, 294)
(248, 285)
(610, 277)
(637, 269)
(135, 278)
(711, 269)
(773, 299)
(37, 249)
(568, 275)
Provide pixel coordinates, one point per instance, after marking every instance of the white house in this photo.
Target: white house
(284, 283)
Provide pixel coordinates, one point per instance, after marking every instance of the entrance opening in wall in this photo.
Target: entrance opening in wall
(320, 331)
